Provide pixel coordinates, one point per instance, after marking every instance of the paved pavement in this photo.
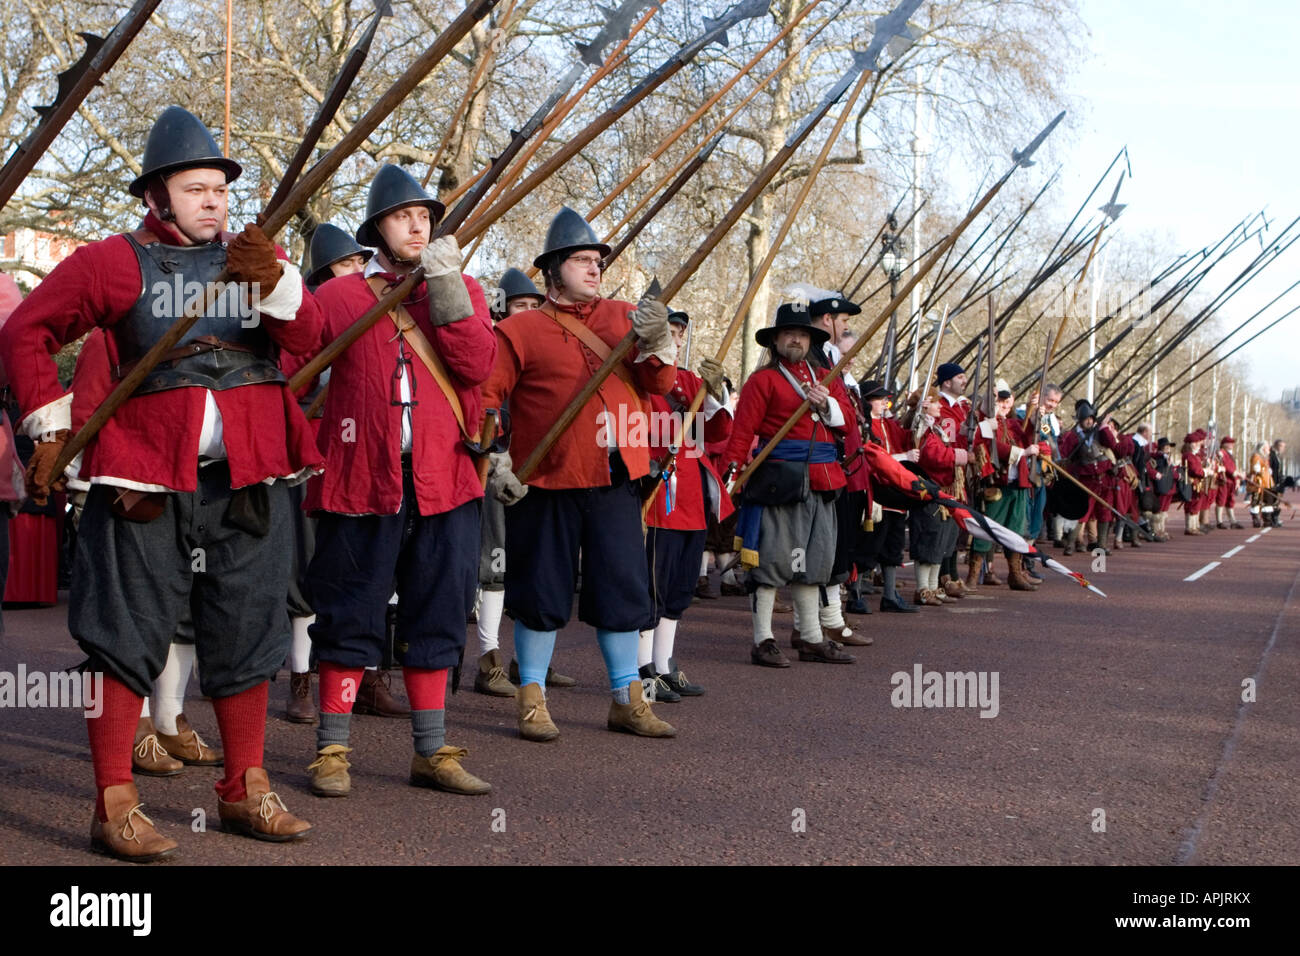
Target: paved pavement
(1131, 707)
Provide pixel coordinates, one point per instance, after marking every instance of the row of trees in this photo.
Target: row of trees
(985, 76)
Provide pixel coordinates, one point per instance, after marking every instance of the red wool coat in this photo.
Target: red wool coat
(766, 401)
(361, 429)
(540, 367)
(693, 469)
(152, 440)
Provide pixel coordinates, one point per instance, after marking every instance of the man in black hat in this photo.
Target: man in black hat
(787, 523)
(189, 505)
(400, 487)
(581, 507)
(830, 311)
(1089, 450)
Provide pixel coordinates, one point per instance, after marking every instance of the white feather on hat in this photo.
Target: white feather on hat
(805, 293)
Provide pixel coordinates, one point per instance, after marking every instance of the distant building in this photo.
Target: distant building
(29, 255)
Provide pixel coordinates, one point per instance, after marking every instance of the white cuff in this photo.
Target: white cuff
(712, 406)
(1016, 454)
(834, 417)
(41, 424)
(286, 298)
(988, 427)
(666, 354)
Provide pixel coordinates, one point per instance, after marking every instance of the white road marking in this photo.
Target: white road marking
(1240, 547)
(1202, 572)
(1252, 539)
(1266, 531)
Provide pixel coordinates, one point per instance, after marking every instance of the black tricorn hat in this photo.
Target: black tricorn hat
(873, 389)
(329, 244)
(179, 140)
(394, 188)
(1165, 443)
(791, 316)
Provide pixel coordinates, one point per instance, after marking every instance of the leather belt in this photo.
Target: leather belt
(204, 343)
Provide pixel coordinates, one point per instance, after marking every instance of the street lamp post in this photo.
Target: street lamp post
(893, 260)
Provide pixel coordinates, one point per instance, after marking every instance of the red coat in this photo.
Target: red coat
(766, 401)
(540, 367)
(361, 429)
(152, 440)
(938, 459)
(1010, 433)
(692, 469)
(952, 419)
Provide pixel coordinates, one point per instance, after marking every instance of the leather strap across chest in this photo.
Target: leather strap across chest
(597, 345)
(420, 345)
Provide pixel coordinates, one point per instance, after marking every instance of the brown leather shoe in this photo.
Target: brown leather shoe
(491, 678)
(705, 589)
(300, 708)
(974, 564)
(534, 719)
(1016, 577)
(127, 833)
(375, 697)
(732, 590)
(953, 587)
(188, 747)
(637, 717)
(767, 654)
(990, 577)
(552, 678)
(927, 598)
(261, 815)
(846, 636)
(825, 652)
(443, 771)
(150, 757)
(329, 772)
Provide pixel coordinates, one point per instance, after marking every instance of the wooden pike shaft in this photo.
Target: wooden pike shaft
(666, 143)
(276, 219)
(489, 55)
(1083, 274)
(760, 274)
(694, 151)
(561, 112)
(899, 298)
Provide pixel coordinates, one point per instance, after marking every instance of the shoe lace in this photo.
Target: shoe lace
(128, 826)
(150, 748)
(270, 805)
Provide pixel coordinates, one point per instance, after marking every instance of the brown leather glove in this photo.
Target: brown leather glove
(251, 259)
(712, 374)
(40, 476)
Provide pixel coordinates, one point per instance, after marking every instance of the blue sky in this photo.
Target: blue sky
(1206, 96)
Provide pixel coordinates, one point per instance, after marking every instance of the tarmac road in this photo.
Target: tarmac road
(1132, 706)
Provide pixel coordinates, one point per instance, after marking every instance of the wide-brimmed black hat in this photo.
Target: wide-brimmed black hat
(832, 305)
(873, 389)
(791, 316)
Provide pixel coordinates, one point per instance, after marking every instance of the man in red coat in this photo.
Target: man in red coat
(883, 544)
(582, 503)
(787, 527)
(188, 503)
(1227, 496)
(689, 495)
(1089, 450)
(400, 494)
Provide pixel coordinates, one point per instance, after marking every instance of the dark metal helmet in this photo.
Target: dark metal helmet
(393, 188)
(569, 232)
(179, 140)
(329, 244)
(1084, 409)
(679, 318)
(791, 316)
(515, 283)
